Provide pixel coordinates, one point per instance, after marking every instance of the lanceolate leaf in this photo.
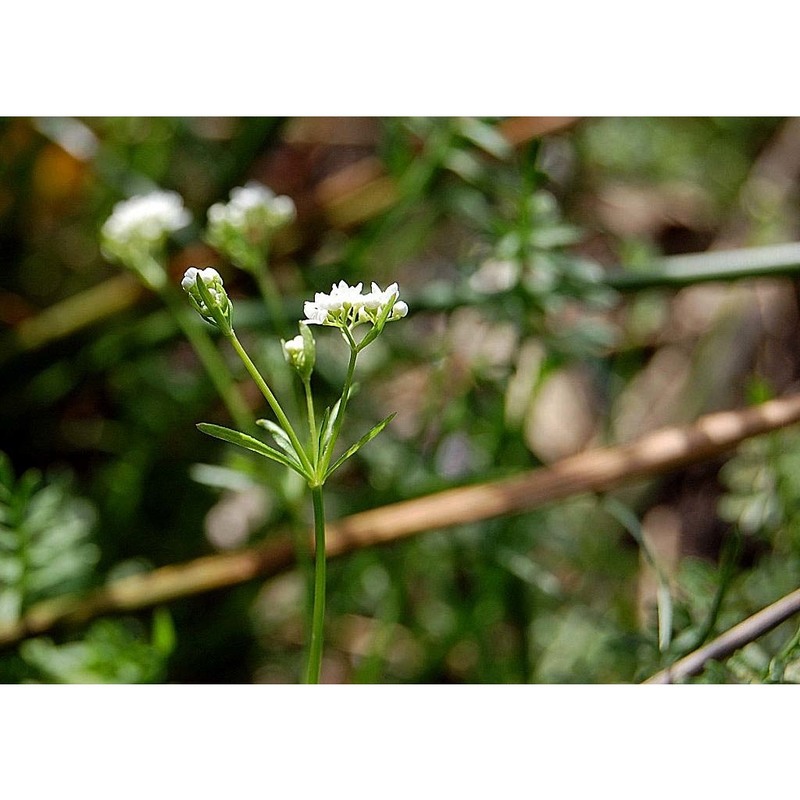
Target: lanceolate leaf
(326, 428)
(360, 443)
(249, 443)
(280, 436)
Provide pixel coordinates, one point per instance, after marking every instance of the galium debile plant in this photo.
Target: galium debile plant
(345, 308)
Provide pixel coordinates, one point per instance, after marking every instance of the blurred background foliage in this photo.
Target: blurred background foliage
(517, 352)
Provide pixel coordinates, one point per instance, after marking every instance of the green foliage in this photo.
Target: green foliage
(45, 540)
(46, 551)
(111, 651)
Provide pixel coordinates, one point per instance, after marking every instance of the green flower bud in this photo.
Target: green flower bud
(301, 352)
(208, 296)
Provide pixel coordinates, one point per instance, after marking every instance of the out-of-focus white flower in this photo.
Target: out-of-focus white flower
(257, 197)
(137, 229)
(242, 227)
(218, 297)
(146, 218)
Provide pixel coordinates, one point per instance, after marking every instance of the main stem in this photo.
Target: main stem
(312, 422)
(318, 618)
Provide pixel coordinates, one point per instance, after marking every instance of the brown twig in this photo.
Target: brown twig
(592, 471)
(729, 642)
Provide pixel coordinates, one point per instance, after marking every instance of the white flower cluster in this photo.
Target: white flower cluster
(346, 306)
(145, 219)
(253, 210)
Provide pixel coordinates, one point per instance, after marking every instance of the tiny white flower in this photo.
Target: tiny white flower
(189, 279)
(211, 278)
(315, 314)
(378, 298)
(283, 207)
(347, 295)
(399, 310)
(218, 213)
(294, 346)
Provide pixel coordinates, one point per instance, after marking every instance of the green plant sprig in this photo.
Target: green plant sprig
(345, 308)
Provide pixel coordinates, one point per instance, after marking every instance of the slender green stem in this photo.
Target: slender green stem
(273, 402)
(337, 425)
(209, 356)
(318, 618)
(312, 422)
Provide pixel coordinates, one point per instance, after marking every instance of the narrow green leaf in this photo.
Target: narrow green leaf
(323, 426)
(326, 429)
(249, 443)
(360, 443)
(280, 436)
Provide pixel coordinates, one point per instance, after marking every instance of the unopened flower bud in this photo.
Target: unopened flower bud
(399, 310)
(208, 296)
(300, 352)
